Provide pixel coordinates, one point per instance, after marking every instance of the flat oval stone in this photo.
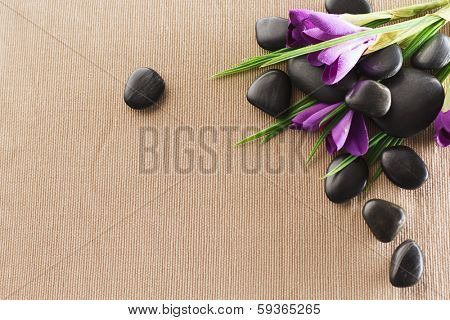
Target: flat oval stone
(382, 64)
(434, 54)
(347, 183)
(370, 98)
(271, 33)
(384, 219)
(406, 265)
(403, 166)
(143, 89)
(417, 98)
(308, 79)
(271, 93)
(347, 6)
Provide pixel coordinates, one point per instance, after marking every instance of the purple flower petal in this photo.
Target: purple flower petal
(310, 119)
(313, 59)
(332, 24)
(336, 139)
(343, 65)
(357, 143)
(298, 16)
(442, 129)
(315, 35)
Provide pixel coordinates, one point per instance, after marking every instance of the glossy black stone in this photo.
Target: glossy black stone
(370, 98)
(403, 166)
(271, 33)
(417, 98)
(382, 64)
(143, 89)
(347, 183)
(347, 6)
(308, 79)
(271, 92)
(434, 54)
(384, 219)
(406, 265)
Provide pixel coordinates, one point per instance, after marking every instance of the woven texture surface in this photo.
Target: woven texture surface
(80, 219)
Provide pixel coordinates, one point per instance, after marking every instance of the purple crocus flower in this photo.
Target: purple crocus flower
(309, 27)
(442, 129)
(349, 133)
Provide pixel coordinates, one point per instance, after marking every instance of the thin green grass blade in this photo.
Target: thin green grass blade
(422, 38)
(341, 166)
(377, 174)
(386, 143)
(443, 74)
(281, 124)
(347, 161)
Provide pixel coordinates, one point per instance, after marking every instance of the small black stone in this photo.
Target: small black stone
(417, 98)
(434, 54)
(370, 98)
(384, 219)
(271, 93)
(143, 89)
(403, 166)
(406, 265)
(347, 6)
(382, 64)
(271, 33)
(308, 79)
(347, 183)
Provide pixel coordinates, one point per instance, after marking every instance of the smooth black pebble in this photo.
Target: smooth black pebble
(382, 64)
(347, 183)
(271, 92)
(417, 98)
(347, 6)
(434, 54)
(308, 79)
(370, 98)
(271, 33)
(406, 265)
(403, 166)
(384, 219)
(143, 89)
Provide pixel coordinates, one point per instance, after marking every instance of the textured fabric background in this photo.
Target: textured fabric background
(79, 219)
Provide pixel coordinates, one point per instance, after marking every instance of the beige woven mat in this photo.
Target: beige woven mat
(82, 216)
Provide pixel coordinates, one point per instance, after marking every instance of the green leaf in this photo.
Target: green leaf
(393, 14)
